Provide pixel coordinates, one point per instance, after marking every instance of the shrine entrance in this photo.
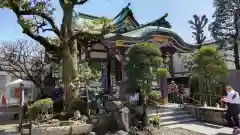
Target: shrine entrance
(111, 61)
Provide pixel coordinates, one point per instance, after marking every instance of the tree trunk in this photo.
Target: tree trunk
(235, 44)
(236, 53)
(69, 54)
(70, 61)
(143, 103)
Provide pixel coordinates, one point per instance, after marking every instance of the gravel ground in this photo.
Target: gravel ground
(9, 133)
(169, 131)
(155, 131)
(187, 132)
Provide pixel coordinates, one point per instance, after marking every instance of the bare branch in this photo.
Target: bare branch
(25, 60)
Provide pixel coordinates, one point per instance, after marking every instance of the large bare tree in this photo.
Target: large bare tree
(24, 59)
(36, 17)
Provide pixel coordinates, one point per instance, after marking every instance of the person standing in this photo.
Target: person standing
(181, 94)
(232, 101)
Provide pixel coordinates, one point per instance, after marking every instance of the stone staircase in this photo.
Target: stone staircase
(171, 115)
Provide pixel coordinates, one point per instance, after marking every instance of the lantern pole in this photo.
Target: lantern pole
(21, 107)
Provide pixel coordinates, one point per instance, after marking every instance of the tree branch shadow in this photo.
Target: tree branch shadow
(223, 134)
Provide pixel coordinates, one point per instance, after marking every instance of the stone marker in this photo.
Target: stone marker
(113, 105)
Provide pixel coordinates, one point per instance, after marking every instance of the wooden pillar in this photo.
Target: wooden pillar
(109, 62)
(118, 69)
(170, 64)
(164, 89)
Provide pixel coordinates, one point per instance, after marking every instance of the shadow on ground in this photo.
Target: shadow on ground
(8, 122)
(222, 134)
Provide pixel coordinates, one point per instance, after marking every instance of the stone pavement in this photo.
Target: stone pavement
(205, 128)
(8, 126)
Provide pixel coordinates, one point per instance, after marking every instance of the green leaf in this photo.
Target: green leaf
(207, 64)
(144, 59)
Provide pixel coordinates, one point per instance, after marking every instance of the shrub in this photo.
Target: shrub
(161, 72)
(39, 109)
(154, 97)
(155, 120)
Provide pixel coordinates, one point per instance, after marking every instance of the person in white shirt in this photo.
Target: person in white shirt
(233, 108)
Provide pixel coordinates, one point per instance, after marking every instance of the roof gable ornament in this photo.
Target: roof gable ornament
(161, 22)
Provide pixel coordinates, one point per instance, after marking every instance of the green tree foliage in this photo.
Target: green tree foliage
(36, 17)
(161, 72)
(86, 74)
(197, 24)
(208, 65)
(224, 28)
(144, 59)
(154, 98)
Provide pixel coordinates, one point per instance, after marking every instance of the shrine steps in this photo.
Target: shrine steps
(171, 115)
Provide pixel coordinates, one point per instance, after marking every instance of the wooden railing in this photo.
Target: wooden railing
(210, 99)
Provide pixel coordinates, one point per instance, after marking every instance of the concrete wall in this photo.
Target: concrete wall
(211, 115)
(179, 62)
(233, 79)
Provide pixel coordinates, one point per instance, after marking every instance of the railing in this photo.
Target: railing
(200, 101)
(210, 99)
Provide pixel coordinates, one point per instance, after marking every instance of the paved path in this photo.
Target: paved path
(205, 128)
(6, 121)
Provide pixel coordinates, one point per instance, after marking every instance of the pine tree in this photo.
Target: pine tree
(197, 24)
(224, 27)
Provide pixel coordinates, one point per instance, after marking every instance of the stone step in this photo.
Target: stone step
(171, 105)
(172, 116)
(175, 117)
(169, 113)
(160, 110)
(173, 122)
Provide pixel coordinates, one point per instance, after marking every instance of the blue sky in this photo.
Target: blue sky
(144, 11)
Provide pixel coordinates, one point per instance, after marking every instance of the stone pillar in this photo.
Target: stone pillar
(164, 89)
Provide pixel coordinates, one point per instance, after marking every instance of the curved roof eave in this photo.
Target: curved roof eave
(150, 30)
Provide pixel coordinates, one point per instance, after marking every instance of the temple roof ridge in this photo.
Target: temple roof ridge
(123, 10)
(145, 30)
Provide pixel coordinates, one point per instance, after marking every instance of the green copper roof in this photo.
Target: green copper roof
(147, 31)
(125, 20)
(127, 26)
